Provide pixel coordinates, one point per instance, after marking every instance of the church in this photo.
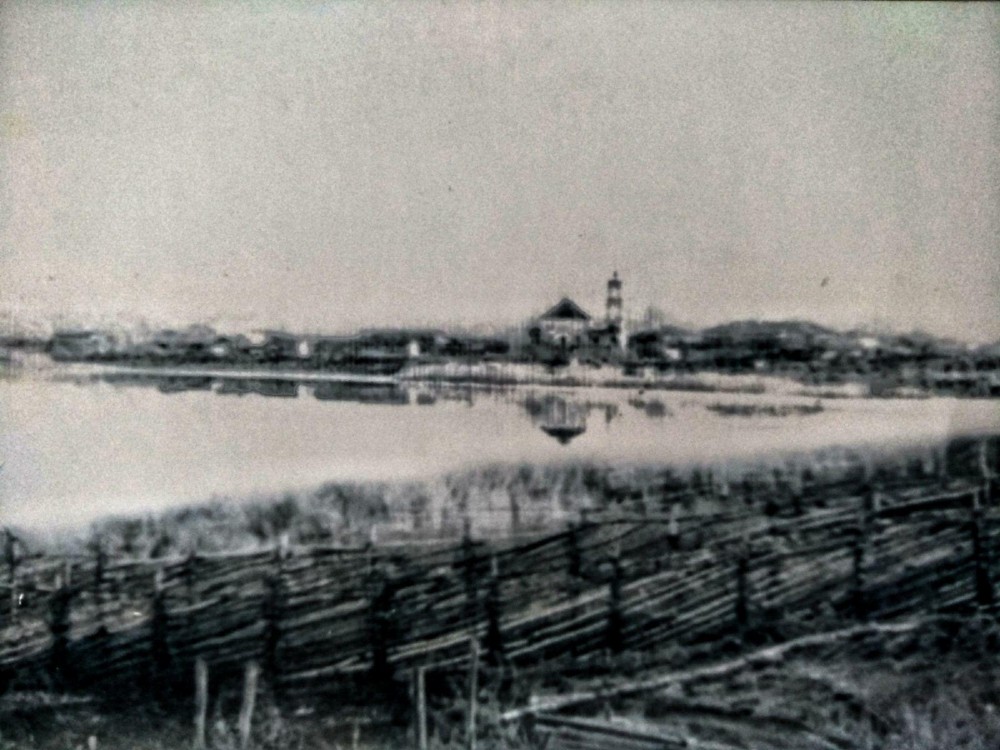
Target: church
(569, 328)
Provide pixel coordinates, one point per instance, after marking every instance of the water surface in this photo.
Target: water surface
(73, 450)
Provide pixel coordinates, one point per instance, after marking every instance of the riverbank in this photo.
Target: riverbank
(78, 447)
(498, 501)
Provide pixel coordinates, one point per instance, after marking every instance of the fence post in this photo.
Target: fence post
(775, 564)
(100, 566)
(861, 552)
(494, 607)
(159, 647)
(615, 627)
(748, 490)
(673, 529)
(575, 559)
(980, 554)
(470, 723)
(742, 610)
(774, 491)
(380, 628)
(11, 555)
(926, 468)
(724, 490)
(59, 623)
(515, 513)
(273, 611)
(201, 702)
(942, 462)
(469, 575)
(984, 465)
(250, 675)
(798, 489)
(188, 576)
(421, 699)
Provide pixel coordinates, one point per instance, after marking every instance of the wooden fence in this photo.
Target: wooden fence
(314, 617)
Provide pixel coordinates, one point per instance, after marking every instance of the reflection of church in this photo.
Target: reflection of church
(565, 420)
(558, 417)
(569, 328)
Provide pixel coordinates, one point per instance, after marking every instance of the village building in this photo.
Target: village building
(564, 325)
(272, 346)
(69, 345)
(568, 327)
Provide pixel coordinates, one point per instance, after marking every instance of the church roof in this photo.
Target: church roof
(565, 309)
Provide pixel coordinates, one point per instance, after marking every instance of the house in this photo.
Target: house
(414, 342)
(225, 347)
(280, 346)
(70, 345)
(604, 338)
(371, 352)
(475, 346)
(193, 344)
(663, 343)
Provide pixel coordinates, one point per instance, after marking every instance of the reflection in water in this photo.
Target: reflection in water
(181, 384)
(361, 393)
(234, 388)
(565, 418)
(264, 387)
(564, 433)
(558, 417)
(561, 417)
(651, 407)
(75, 452)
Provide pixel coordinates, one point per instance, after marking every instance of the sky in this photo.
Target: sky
(325, 166)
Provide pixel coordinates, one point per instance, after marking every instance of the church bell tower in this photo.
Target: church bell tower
(614, 303)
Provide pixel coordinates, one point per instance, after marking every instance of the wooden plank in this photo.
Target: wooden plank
(470, 718)
(250, 676)
(201, 702)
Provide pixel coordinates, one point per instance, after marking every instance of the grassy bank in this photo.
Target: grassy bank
(492, 500)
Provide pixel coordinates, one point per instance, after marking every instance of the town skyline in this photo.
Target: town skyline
(331, 167)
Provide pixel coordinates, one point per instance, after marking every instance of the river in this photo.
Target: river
(75, 448)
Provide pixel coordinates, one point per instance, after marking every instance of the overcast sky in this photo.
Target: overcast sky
(321, 166)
